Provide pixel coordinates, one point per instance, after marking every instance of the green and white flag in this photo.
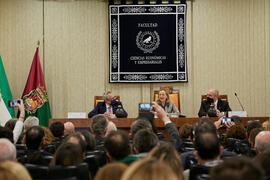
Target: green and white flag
(6, 112)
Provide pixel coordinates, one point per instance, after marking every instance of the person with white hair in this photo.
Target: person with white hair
(69, 128)
(262, 141)
(7, 150)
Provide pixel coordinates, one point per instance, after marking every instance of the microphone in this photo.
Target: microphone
(239, 101)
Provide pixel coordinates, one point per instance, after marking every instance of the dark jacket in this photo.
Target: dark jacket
(101, 108)
(222, 106)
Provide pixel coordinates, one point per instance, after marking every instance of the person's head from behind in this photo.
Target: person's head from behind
(77, 138)
(6, 133)
(30, 122)
(57, 128)
(139, 124)
(239, 168)
(99, 124)
(144, 141)
(69, 128)
(236, 119)
(166, 153)
(203, 126)
(68, 154)
(185, 130)
(262, 141)
(34, 137)
(7, 150)
(149, 169)
(89, 139)
(13, 170)
(117, 145)
(253, 133)
(264, 160)
(10, 124)
(111, 171)
(237, 132)
(207, 147)
(48, 136)
(252, 124)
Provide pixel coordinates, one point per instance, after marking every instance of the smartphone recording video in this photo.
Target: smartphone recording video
(13, 103)
(145, 107)
(226, 120)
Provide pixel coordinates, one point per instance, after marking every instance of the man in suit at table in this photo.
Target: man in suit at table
(218, 105)
(108, 107)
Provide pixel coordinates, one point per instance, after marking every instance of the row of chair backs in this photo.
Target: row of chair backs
(79, 172)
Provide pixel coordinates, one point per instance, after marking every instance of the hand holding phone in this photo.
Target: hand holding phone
(226, 120)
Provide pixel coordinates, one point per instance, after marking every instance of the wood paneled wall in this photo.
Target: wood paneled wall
(228, 46)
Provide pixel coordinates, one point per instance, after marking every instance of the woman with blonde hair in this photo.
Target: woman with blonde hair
(149, 169)
(111, 171)
(165, 102)
(10, 170)
(166, 153)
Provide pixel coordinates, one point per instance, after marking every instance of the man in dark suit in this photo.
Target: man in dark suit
(217, 104)
(108, 107)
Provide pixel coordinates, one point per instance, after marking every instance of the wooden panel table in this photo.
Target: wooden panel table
(125, 123)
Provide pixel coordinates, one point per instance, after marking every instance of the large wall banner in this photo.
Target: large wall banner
(147, 43)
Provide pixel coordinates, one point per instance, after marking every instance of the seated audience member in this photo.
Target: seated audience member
(236, 119)
(266, 125)
(208, 152)
(185, 130)
(237, 168)
(143, 142)
(111, 171)
(166, 153)
(6, 133)
(17, 130)
(264, 160)
(76, 138)
(68, 128)
(203, 126)
(117, 146)
(212, 101)
(149, 116)
(98, 126)
(10, 124)
(138, 125)
(48, 139)
(89, 139)
(68, 154)
(253, 133)
(237, 132)
(108, 107)
(165, 102)
(149, 169)
(251, 125)
(7, 150)
(111, 127)
(34, 140)
(10, 170)
(262, 141)
(57, 129)
(29, 122)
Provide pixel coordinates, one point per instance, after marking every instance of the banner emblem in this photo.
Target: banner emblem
(35, 99)
(147, 41)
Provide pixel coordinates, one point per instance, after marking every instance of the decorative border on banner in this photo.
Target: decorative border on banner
(115, 11)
